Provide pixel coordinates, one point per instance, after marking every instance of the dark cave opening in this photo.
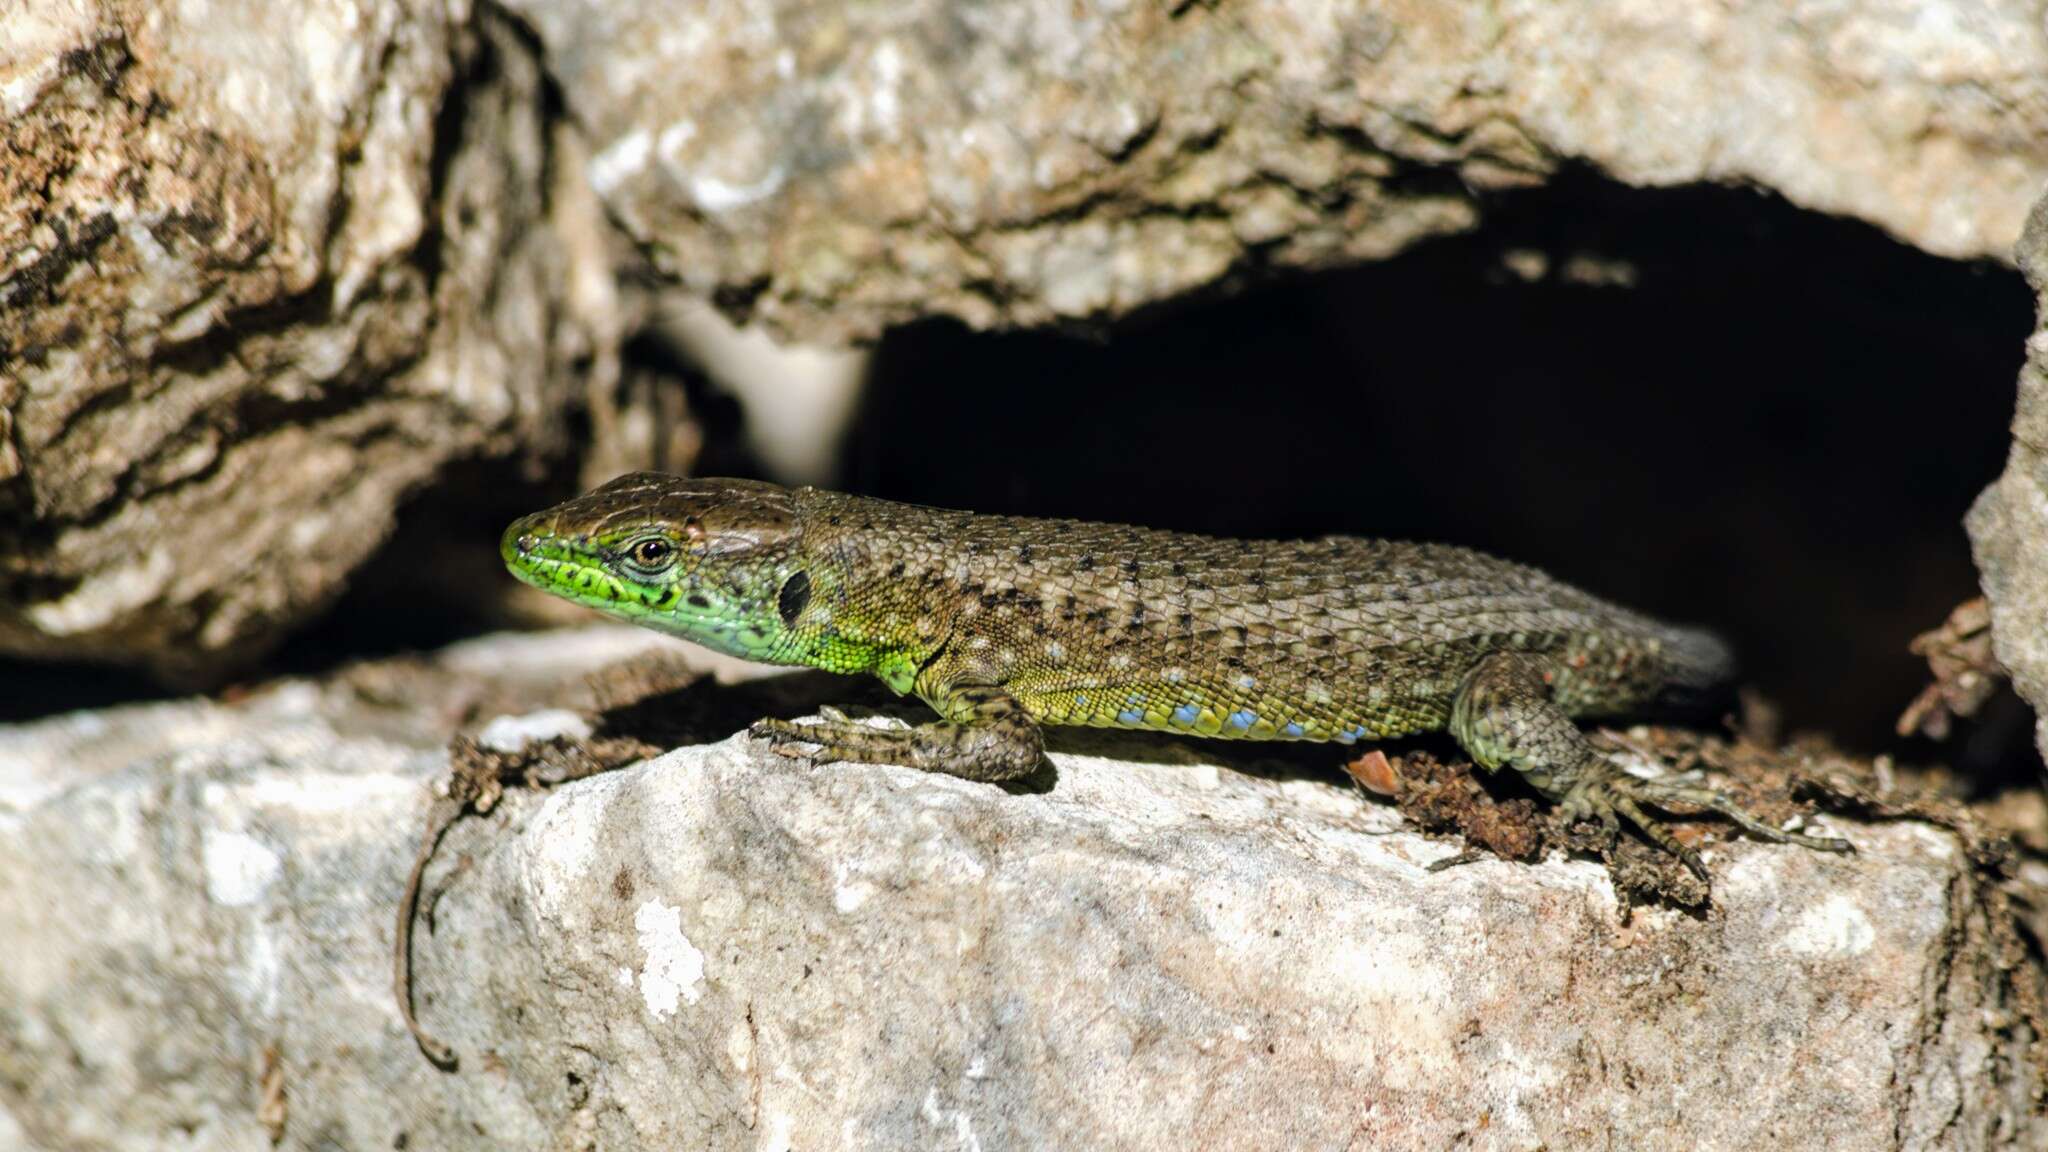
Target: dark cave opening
(1702, 402)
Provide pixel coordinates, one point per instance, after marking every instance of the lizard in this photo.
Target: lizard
(1006, 625)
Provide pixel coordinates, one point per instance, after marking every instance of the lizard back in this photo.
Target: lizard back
(1340, 638)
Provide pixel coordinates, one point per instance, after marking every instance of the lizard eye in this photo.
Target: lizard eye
(652, 554)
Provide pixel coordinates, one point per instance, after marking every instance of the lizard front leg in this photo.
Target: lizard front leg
(986, 735)
(1503, 716)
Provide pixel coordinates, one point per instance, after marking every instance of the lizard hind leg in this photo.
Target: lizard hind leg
(985, 736)
(1503, 716)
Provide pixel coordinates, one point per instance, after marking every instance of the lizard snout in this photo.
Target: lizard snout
(519, 540)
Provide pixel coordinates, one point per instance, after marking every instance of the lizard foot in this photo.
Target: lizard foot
(1611, 795)
(991, 739)
(785, 736)
(838, 731)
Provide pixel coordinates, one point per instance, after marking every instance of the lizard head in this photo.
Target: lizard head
(713, 561)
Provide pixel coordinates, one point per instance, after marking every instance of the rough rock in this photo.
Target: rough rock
(265, 270)
(2008, 524)
(835, 168)
(719, 948)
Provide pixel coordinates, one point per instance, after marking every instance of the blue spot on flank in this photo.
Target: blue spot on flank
(1293, 729)
(1134, 699)
(1080, 698)
(1240, 719)
(1184, 716)
(1348, 736)
(1247, 683)
(1129, 716)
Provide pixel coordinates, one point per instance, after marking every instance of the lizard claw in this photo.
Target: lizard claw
(1663, 793)
(1608, 798)
(780, 733)
(784, 736)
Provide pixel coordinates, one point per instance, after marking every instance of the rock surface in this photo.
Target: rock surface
(2009, 522)
(265, 270)
(837, 168)
(722, 949)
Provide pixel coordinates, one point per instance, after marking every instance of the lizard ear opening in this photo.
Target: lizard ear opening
(796, 592)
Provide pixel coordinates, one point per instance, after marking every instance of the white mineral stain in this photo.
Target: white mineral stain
(886, 101)
(714, 195)
(674, 969)
(262, 969)
(622, 161)
(511, 733)
(239, 868)
(739, 1047)
(314, 793)
(99, 601)
(777, 1137)
(956, 1118)
(563, 842)
(1834, 927)
(1937, 844)
(668, 147)
(849, 895)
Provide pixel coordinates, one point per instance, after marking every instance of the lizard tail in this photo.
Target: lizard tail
(1699, 673)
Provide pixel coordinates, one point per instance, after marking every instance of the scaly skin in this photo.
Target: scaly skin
(1003, 624)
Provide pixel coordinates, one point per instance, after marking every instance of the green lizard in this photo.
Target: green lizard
(1005, 624)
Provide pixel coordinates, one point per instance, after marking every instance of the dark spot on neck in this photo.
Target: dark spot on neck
(796, 592)
(697, 600)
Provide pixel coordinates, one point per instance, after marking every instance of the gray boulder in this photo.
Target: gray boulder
(720, 948)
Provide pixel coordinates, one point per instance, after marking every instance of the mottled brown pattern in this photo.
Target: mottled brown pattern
(1340, 635)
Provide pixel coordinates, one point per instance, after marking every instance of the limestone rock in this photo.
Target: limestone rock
(835, 168)
(265, 269)
(2009, 522)
(719, 948)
